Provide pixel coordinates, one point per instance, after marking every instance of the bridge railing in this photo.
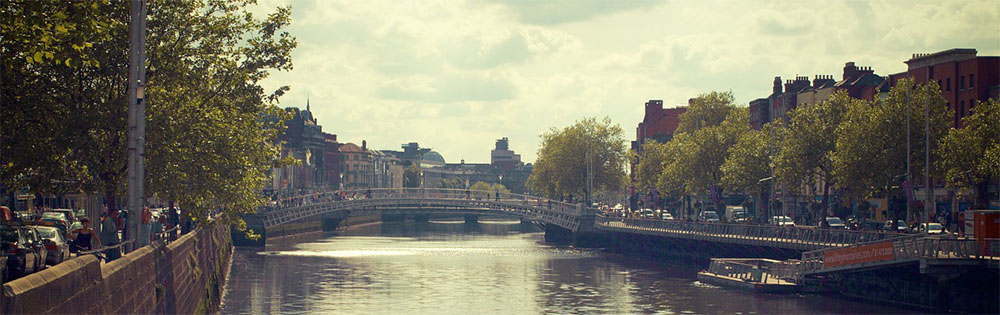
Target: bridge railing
(768, 233)
(916, 246)
(428, 193)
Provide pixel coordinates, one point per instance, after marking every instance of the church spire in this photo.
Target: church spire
(307, 103)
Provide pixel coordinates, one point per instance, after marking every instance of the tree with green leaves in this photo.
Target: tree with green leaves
(453, 183)
(411, 176)
(561, 168)
(806, 155)
(970, 156)
(749, 162)
(706, 110)
(647, 172)
(211, 127)
(870, 153)
(713, 124)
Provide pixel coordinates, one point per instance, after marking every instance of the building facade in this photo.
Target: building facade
(305, 141)
(502, 157)
(964, 77)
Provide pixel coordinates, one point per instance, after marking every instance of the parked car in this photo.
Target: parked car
(932, 228)
(667, 216)
(835, 223)
(708, 216)
(781, 220)
(57, 219)
(55, 244)
(647, 214)
(900, 226)
(736, 214)
(70, 214)
(22, 254)
(38, 245)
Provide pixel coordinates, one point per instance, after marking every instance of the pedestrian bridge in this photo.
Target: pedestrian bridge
(420, 201)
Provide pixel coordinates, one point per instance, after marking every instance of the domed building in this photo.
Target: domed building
(431, 159)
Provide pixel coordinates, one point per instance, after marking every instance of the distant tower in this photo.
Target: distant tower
(307, 104)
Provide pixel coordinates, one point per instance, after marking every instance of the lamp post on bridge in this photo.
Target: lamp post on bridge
(770, 202)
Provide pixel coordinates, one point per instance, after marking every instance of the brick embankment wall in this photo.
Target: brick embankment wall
(186, 276)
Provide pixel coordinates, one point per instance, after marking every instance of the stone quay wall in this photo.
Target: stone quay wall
(186, 276)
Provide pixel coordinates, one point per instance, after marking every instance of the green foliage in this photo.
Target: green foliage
(870, 150)
(561, 166)
(484, 186)
(211, 127)
(54, 32)
(749, 161)
(970, 156)
(706, 110)
(806, 153)
(695, 157)
(647, 173)
(453, 183)
(808, 146)
(411, 176)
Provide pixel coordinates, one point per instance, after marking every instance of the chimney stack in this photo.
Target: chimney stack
(364, 145)
(849, 70)
(821, 79)
(776, 88)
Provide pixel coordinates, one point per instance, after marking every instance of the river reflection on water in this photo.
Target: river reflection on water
(492, 268)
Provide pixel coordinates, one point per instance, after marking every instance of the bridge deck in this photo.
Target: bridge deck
(795, 238)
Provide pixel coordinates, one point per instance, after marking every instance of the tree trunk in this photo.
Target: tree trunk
(109, 198)
(826, 201)
(982, 194)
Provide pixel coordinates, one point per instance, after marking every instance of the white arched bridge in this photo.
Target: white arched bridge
(393, 201)
(570, 217)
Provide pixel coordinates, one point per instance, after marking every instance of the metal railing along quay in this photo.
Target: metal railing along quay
(420, 200)
(798, 238)
(906, 248)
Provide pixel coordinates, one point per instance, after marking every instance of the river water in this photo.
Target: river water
(491, 268)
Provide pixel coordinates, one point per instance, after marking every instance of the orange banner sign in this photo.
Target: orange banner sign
(858, 255)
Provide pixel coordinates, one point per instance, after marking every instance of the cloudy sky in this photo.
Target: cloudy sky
(456, 75)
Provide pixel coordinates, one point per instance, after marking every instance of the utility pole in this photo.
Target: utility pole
(136, 121)
(929, 203)
(909, 181)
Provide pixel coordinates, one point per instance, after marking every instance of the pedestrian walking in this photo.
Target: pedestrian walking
(109, 234)
(157, 227)
(84, 237)
(145, 228)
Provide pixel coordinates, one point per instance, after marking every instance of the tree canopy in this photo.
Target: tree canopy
(806, 155)
(561, 166)
(211, 127)
(870, 151)
(695, 155)
(970, 156)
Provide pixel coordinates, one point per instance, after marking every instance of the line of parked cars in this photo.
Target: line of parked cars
(30, 243)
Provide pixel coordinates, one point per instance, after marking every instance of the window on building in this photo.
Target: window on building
(940, 85)
(961, 83)
(948, 85)
(961, 109)
(972, 81)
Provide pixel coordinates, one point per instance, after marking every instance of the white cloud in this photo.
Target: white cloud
(456, 75)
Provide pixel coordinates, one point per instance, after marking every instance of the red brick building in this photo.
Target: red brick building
(331, 160)
(658, 124)
(964, 78)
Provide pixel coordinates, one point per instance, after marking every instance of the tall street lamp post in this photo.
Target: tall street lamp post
(136, 120)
